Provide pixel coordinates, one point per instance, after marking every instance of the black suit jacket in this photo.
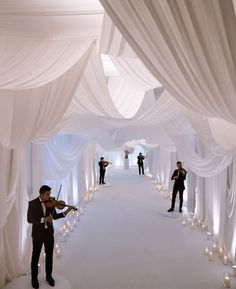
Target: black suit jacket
(102, 166)
(35, 214)
(179, 183)
(140, 159)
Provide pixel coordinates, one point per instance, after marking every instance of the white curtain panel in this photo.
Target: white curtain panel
(126, 99)
(52, 19)
(34, 114)
(228, 229)
(189, 46)
(207, 133)
(92, 95)
(224, 132)
(60, 155)
(112, 41)
(27, 63)
(135, 73)
(13, 208)
(12, 164)
(206, 166)
(158, 111)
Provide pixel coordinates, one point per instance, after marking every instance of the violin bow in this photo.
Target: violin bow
(58, 194)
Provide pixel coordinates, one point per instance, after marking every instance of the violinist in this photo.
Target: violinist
(102, 170)
(179, 177)
(41, 216)
(140, 160)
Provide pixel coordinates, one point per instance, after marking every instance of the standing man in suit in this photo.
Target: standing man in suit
(43, 233)
(102, 170)
(140, 158)
(179, 177)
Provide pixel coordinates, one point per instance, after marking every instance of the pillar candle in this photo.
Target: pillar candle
(221, 252)
(206, 251)
(211, 256)
(225, 260)
(227, 280)
(214, 247)
(234, 270)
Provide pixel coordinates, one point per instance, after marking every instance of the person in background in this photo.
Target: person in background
(179, 177)
(102, 170)
(140, 158)
(43, 233)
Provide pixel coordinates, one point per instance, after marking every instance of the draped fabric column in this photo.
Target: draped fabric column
(229, 226)
(13, 208)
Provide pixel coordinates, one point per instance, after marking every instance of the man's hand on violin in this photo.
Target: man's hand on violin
(48, 219)
(69, 209)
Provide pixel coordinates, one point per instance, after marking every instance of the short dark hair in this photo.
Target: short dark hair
(102, 158)
(44, 189)
(179, 163)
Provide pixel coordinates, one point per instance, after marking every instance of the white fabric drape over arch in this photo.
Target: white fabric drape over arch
(179, 42)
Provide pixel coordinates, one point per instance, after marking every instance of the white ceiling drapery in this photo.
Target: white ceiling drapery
(188, 46)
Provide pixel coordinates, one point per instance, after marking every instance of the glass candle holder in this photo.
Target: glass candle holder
(211, 256)
(221, 252)
(234, 270)
(227, 280)
(225, 260)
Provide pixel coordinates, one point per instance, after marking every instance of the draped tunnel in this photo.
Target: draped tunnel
(85, 80)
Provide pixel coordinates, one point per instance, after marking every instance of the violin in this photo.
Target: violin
(53, 203)
(107, 162)
(182, 171)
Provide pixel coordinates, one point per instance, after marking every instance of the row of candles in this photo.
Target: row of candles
(216, 250)
(159, 186)
(213, 251)
(68, 226)
(194, 222)
(219, 251)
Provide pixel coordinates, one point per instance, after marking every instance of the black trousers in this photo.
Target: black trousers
(140, 167)
(175, 192)
(101, 177)
(47, 239)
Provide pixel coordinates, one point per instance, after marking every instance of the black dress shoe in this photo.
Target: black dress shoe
(170, 210)
(50, 280)
(180, 210)
(35, 283)
(103, 183)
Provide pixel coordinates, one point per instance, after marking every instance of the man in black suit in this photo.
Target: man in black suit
(43, 233)
(179, 177)
(140, 158)
(102, 170)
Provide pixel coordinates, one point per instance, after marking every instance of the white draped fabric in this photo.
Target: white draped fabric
(135, 73)
(43, 113)
(224, 132)
(52, 80)
(13, 207)
(92, 95)
(187, 45)
(32, 62)
(205, 132)
(206, 166)
(126, 98)
(60, 155)
(51, 19)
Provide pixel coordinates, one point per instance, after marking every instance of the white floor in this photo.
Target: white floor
(123, 242)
